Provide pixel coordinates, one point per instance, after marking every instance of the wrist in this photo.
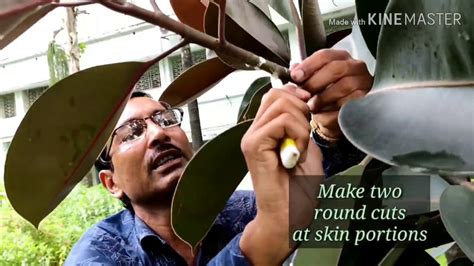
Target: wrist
(265, 241)
(328, 137)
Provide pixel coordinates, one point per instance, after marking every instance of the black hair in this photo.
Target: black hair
(104, 162)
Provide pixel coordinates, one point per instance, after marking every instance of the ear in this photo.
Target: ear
(107, 180)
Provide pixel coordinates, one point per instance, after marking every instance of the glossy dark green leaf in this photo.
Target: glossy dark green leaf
(62, 134)
(16, 16)
(252, 108)
(421, 192)
(190, 12)
(218, 164)
(335, 37)
(253, 88)
(457, 213)
(369, 11)
(313, 26)
(420, 112)
(195, 81)
(356, 254)
(242, 17)
(263, 6)
(353, 42)
(330, 256)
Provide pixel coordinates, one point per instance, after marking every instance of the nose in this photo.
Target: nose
(156, 134)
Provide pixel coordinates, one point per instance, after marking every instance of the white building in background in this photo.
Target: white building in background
(112, 37)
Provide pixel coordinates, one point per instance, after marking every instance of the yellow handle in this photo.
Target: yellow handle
(289, 153)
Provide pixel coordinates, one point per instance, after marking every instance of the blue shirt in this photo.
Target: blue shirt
(124, 239)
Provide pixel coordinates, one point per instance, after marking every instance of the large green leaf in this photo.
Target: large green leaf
(62, 134)
(421, 192)
(366, 10)
(190, 12)
(218, 164)
(356, 254)
(16, 16)
(457, 213)
(242, 17)
(313, 26)
(326, 255)
(251, 111)
(401, 121)
(253, 88)
(195, 81)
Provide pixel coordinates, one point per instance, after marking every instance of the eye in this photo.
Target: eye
(168, 118)
(135, 130)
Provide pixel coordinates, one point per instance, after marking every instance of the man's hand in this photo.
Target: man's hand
(282, 113)
(333, 78)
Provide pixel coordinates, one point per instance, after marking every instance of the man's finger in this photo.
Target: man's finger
(332, 73)
(296, 91)
(297, 108)
(317, 60)
(342, 88)
(273, 94)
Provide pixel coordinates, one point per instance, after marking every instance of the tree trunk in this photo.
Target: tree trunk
(193, 109)
(74, 51)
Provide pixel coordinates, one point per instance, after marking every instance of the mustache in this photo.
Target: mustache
(159, 149)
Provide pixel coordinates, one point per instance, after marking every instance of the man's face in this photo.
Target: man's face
(147, 170)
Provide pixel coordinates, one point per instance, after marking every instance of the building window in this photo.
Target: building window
(7, 106)
(177, 65)
(150, 79)
(33, 95)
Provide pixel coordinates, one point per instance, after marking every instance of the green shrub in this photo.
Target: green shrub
(21, 243)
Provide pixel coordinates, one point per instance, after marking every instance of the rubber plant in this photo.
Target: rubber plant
(417, 118)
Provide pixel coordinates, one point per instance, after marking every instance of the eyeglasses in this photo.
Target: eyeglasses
(130, 132)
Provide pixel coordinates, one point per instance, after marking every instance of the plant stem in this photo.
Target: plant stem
(192, 35)
(73, 3)
(366, 160)
(221, 24)
(169, 51)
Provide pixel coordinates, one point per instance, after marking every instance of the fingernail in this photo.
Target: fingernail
(293, 65)
(298, 74)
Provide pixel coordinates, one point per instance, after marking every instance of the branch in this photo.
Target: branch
(192, 35)
(73, 3)
(169, 51)
(56, 32)
(21, 8)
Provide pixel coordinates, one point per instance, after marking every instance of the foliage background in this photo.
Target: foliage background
(20, 242)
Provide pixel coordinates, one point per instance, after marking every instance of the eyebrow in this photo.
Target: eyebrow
(135, 118)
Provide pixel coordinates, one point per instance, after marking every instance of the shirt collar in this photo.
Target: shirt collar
(146, 236)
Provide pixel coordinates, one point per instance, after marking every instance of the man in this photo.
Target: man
(148, 152)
